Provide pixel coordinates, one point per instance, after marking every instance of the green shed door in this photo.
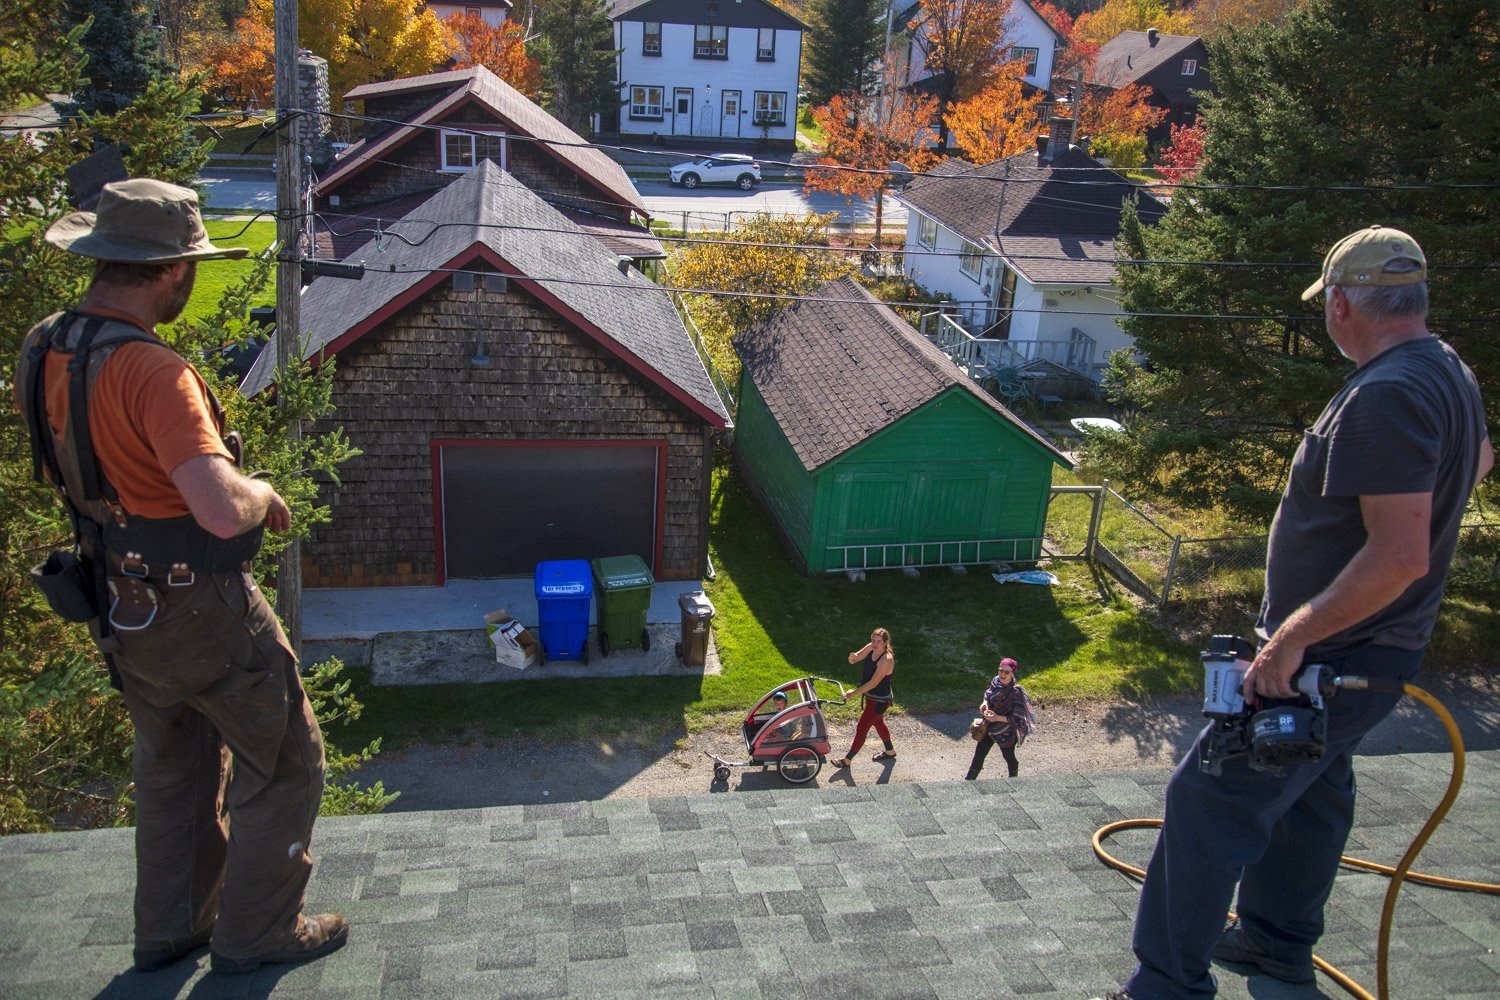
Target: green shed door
(952, 506)
(872, 507)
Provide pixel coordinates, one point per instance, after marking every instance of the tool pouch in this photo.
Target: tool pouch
(133, 603)
(67, 581)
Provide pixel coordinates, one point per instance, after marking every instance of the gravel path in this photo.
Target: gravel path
(1073, 737)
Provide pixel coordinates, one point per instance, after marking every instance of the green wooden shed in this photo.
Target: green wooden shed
(871, 449)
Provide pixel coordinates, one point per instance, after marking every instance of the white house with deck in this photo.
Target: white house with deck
(1025, 248)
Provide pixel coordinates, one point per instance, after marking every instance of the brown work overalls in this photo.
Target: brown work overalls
(228, 762)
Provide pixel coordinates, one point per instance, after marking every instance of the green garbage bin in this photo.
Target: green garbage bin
(622, 585)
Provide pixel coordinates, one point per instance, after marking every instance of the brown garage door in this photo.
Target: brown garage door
(506, 506)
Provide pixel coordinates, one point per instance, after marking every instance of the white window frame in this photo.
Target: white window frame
(970, 258)
(1190, 67)
(764, 53)
(645, 105)
(927, 231)
(474, 12)
(1030, 53)
(765, 108)
(705, 37)
(469, 159)
(646, 35)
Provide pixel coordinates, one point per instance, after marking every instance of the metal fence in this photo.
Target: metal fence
(721, 385)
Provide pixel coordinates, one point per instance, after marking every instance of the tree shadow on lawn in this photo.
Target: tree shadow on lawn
(948, 629)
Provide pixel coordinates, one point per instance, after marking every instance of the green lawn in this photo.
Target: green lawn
(773, 624)
(234, 135)
(215, 275)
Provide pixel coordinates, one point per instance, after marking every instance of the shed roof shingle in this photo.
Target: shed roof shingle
(631, 317)
(524, 115)
(839, 366)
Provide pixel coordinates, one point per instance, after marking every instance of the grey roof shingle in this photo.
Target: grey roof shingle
(997, 895)
(488, 212)
(1037, 210)
(524, 114)
(1130, 56)
(839, 366)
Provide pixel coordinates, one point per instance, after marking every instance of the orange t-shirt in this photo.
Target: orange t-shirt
(149, 413)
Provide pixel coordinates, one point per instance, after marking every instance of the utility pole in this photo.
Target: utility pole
(288, 280)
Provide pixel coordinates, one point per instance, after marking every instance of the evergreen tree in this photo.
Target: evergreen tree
(846, 40)
(123, 53)
(578, 61)
(65, 737)
(1347, 92)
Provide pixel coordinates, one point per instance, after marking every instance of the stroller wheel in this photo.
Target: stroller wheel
(800, 764)
(721, 773)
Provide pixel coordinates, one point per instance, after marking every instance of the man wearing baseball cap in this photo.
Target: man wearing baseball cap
(1357, 555)
(228, 760)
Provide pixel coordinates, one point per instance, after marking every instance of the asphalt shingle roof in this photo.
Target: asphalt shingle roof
(1130, 55)
(840, 366)
(927, 891)
(477, 212)
(504, 100)
(1069, 220)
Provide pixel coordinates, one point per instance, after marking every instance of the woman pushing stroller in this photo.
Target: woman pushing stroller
(1007, 712)
(875, 685)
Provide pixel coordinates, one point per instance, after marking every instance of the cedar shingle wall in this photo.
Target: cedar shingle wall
(410, 381)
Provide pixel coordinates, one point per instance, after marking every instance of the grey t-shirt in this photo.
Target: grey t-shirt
(1409, 421)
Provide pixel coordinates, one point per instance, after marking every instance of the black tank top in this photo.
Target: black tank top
(881, 691)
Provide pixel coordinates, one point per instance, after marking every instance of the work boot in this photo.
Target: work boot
(1235, 946)
(152, 959)
(316, 937)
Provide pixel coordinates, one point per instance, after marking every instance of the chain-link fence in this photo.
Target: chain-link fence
(1216, 567)
(1476, 561)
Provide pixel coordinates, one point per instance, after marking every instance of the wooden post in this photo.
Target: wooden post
(1166, 584)
(288, 280)
(1095, 517)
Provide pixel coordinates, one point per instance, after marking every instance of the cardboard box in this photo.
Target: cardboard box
(514, 645)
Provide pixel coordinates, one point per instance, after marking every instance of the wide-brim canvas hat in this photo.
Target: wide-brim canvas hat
(1359, 261)
(140, 221)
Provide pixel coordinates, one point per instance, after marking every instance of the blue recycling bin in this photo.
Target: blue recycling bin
(564, 588)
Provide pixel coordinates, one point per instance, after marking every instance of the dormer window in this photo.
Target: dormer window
(1189, 67)
(462, 151)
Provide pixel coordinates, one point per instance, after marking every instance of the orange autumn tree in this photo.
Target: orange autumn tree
(871, 134)
(999, 121)
(964, 41)
(1116, 123)
(1075, 57)
(1099, 26)
(241, 65)
(501, 49)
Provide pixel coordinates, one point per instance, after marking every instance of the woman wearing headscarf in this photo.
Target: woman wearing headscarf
(1007, 711)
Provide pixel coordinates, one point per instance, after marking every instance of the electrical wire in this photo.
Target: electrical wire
(1399, 875)
(926, 178)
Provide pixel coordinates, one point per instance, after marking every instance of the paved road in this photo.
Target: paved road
(704, 208)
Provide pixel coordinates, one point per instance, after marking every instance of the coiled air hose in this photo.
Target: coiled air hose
(1398, 875)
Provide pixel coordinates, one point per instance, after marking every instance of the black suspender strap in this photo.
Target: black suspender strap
(89, 473)
(34, 404)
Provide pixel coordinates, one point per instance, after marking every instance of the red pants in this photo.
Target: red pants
(873, 715)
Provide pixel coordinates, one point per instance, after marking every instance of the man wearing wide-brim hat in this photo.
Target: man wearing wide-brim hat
(166, 527)
(1355, 565)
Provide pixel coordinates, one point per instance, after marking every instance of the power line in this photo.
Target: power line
(645, 285)
(822, 248)
(926, 178)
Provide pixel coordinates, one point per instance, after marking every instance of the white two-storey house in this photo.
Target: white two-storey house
(709, 69)
(1027, 36)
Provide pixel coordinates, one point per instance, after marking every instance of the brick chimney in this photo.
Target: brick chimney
(314, 132)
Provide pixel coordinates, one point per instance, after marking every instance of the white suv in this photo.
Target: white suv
(720, 168)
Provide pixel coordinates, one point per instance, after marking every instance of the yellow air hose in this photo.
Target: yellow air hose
(1399, 874)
